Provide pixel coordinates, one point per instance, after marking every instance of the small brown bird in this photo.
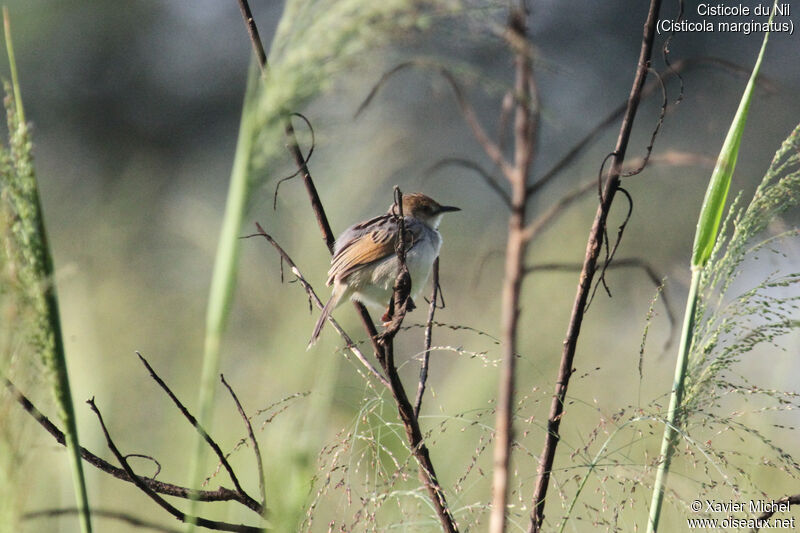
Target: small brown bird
(364, 264)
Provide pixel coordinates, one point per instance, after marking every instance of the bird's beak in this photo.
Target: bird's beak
(448, 208)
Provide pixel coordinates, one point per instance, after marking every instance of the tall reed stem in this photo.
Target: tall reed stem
(223, 281)
(675, 399)
(704, 241)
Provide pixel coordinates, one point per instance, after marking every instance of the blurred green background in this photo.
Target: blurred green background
(136, 107)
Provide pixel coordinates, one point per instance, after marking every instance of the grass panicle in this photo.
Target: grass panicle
(27, 262)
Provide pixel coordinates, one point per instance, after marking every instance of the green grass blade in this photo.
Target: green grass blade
(705, 239)
(223, 282)
(717, 192)
(36, 274)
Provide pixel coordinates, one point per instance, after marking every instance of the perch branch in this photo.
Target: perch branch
(593, 248)
(402, 290)
(382, 345)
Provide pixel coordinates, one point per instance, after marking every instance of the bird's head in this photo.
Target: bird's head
(423, 208)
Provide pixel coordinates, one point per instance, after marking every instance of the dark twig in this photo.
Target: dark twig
(763, 517)
(251, 435)
(426, 354)
(315, 299)
(164, 504)
(149, 458)
(134, 521)
(490, 180)
(252, 30)
(219, 495)
(659, 123)
(601, 279)
(193, 421)
(593, 248)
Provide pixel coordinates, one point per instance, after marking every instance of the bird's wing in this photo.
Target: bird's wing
(369, 242)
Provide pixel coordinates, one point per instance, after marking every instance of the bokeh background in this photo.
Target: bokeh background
(136, 105)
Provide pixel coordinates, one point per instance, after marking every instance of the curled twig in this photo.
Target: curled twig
(307, 158)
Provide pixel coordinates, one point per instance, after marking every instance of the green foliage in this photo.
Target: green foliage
(717, 192)
(727, 329)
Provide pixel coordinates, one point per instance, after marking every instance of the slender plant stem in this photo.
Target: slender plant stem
(593, 248)
(668, 443)
(525, 126)
(223, 281)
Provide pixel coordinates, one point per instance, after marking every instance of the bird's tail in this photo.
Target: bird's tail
(326, 312)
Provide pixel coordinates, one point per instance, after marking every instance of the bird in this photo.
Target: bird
(364, 264)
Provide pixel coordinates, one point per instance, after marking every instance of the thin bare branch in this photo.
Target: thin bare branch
(490, 180)
(306, 158)
(659, 123)
(193, 421)
(611, 251)
(131, 520)
(253, 441)
(593, 248)
(526, 123)
(169, 489)
(252, 30)
(164, 504)
(628, 262)
(352, 346)
(491, 148)
(426, 353)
